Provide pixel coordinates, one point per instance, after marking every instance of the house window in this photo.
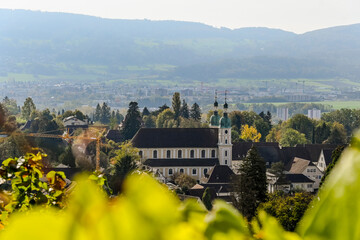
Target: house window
(179, 154)
(212, 153)
(309, 185)
(203, 153)
(225, 153)
(141, 154)
(205, 171)
(168, 154)
(170, 171)
(192, 154)
(181, 170)
(155, 154)
(194, 171)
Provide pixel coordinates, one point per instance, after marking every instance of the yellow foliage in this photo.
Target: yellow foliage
(250, 133)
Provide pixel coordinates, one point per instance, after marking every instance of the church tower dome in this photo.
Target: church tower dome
(215, 118)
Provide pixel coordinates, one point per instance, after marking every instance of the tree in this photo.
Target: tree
(145, 112)
(234, 136)
(132, 122)
(28, 108)
(97, 114)
(2, 116)
(119, 116)
(206, 199)
(164, 117)
(195, 112)
(184, 181)
(337, 134)
(10, 106)
(249, 134)
(287, 209)
(322, 132)
(149, 121)
(291, 137)
(176, 105)
(105, 114)
(184, 110)
(250, 185)
(67, 157)
(263, 128)
(302, 124)
(335, 156)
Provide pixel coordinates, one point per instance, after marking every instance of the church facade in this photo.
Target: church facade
(193, 151)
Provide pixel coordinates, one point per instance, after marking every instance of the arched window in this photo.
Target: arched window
(212, 153)
(170, 171)
(168, 154)
(155, 154)
(141, 154)
(192, 154)
(225, 153)
(226, 141)
(179, 154)
(194, 171)
(203, 153)
(181, 170)
(226, 131)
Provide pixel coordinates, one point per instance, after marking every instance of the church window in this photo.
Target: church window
(170, 171)
(181, 170)
(192, 154)
(203, 153)
(226, 141)
(205, 171)
(154, 154)
(141, 154)
(225, 162)
(168, 154)
(212, 153)
(225, 153)
(194, 171)
(179, 154)
(226, 131)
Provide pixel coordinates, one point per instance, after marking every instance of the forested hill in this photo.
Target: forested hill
(70, 44)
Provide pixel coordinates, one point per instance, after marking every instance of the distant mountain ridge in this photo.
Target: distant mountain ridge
(62, 43)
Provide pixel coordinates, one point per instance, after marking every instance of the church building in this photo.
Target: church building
(193, 151)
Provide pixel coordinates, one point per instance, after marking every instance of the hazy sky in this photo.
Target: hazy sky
(293, 15)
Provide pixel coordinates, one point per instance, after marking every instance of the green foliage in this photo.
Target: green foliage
(132, 121)
(195, 112)
(288, 209)
(322, 132)
(337, 134)
(184, 110)
(349, 118)
(149, 121)
(164, 118)
(10, 106)
(291, 137)
(335, 156)
(302, 124)
(206, 199)
(28, 108)
(67, 157)
(250, 185)
(176, 105)
(184, 181)
(28, 189)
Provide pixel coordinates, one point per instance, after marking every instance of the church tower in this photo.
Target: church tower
(215, 118)
(224, 142)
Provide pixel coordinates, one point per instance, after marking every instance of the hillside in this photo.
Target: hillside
(61, 44)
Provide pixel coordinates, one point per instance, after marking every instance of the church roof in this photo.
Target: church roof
(182, 162)
(176, 137)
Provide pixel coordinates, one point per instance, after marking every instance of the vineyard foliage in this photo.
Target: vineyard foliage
(147, 210)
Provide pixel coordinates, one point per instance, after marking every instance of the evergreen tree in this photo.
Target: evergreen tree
(97, 114)
(334, 159)
(176, 105)
(28, 108)
(67, 157)
(184, 110)
(145, 112)
(105, 114)
(250, 185)
(119, 117)
(149, 121)
(123, 166)
(132, 122)
(195, 112)
(206, 199)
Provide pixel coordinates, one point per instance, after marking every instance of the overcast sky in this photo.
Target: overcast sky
(292, 15)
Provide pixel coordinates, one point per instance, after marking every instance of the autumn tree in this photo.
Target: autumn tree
(249, 134)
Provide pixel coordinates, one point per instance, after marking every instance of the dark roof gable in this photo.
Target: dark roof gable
(176, 137)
